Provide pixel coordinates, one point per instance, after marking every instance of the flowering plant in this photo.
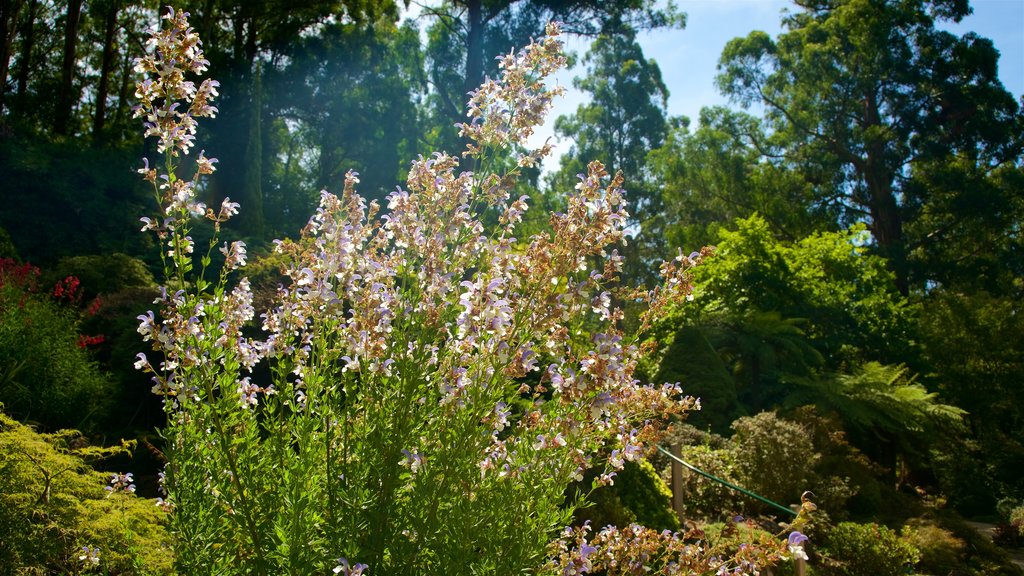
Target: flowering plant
(425, 390)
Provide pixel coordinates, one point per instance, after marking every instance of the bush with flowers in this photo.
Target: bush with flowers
(47, 373)
(427, 384)
(59, 516)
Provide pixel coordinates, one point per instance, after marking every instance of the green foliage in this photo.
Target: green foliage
(806, 323)
(779, 458)
(103, 273)
(763, 350)
(973, 341)
(857, 549)
(1017, 520)
(48, 374)
(638, 495)
(52, 504)
(940, 551)
(846, 296)
(644, 493)
(64, 199)
(703, 498)
(844, 482)
(774, 457)
(886, 402)
(965, 234)
(714, 175)
(693, 362)
(868, 93)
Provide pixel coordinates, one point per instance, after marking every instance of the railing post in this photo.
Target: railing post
(677, 481)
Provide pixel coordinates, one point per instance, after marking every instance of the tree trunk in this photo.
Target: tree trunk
(27, 43)
(251, 218)
(887, 226)
(122, 94)
(9, 10)
(474, 49)
(206, 22)
(886, 220)
(65, 97)
(106, 69)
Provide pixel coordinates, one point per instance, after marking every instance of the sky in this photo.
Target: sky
(688, 57)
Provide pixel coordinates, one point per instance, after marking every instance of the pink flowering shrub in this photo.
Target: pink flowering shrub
(426, 386)
(48, 374)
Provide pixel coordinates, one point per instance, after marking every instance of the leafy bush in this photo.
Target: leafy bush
(47, 374)
(859, 549)
(845, 480)
(402, 414)
(104, 273)
(704, 498)
(52, 504)
(638, 495)
(643, 492)
(1010, 530)
(940, 551)
(774, 457)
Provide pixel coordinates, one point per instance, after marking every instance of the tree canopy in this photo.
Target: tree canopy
(876, 93)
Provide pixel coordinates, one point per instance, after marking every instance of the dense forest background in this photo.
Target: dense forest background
(869, 271)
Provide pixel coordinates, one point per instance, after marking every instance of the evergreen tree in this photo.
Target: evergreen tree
(874, 91)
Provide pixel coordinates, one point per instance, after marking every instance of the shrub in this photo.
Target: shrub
(47, 374)
(774, 457)
(638, 495)
(858, 549)
(644, 493)
(104, 273)
(940, 551)
(427, 390)
(1010, 531)
(52, 504)
(704, 498)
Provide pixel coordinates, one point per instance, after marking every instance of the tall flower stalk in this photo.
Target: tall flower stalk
(428, 385)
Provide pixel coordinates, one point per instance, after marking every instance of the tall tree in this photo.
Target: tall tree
(9, 12)
(66, 97)
(877, 89)
(107, 65)
(467, 35)
(28, 42)
(239, 36)
(624, 119)
(726, 169)
(347, 100)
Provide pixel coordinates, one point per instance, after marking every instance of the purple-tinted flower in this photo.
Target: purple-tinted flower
(796, 545)
(344, 569)
(90, 555)
(413, 460)
(121, 483)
